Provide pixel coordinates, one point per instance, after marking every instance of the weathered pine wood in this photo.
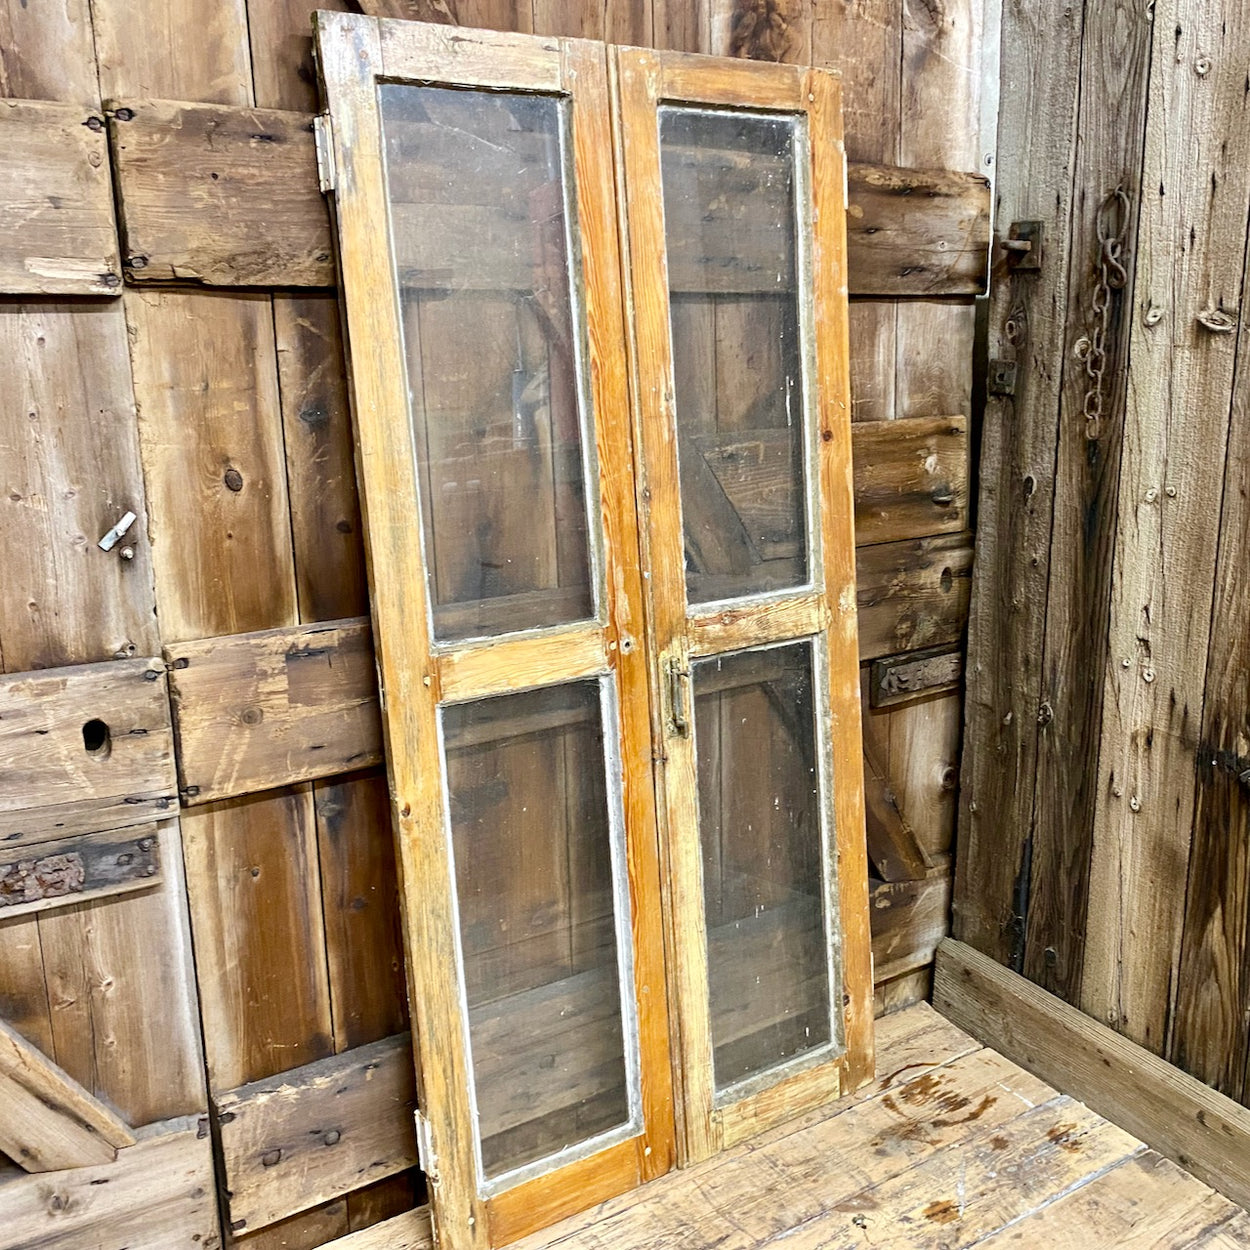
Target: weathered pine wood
(228, 196)
(49, 1121)
(410, 1231)
(1037, 129)
(1204, 1131)
(318, 1132)
(54, 175)
(1211, 1018)
(911, 478)
(70, 450)
(893, 850)
(909, 920)
(1191, 250)
(294, 703)
(82, 739)
(73, 870)
(156, 1194)
(46, 53)
(225, 196)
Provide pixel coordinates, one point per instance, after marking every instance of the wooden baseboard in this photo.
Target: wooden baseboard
(1180, 1117)
(410, 1231)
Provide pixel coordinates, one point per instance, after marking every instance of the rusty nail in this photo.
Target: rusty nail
(123, 114)
(150, 674)
(332, 1137)
(137, 262)
(270, 1157)
(127, 553)
(94, 123)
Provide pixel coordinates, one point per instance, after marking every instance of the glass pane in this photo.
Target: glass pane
(729, 218)
(480, 222)
(763, 877)
(532, 841)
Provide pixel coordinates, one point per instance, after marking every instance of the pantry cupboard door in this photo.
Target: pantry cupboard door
(475, 205)
(735, 198)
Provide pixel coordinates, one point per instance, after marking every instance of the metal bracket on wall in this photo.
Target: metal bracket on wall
(1024, 247)
(1002, 377)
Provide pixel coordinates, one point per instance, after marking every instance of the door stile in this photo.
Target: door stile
(422, 677)
(822, 612)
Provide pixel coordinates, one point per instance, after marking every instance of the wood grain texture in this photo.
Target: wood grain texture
(56, 195)
(50, 1122)
(1037, 128)
(894, 852)
(71, 472)
(911, 478)
(157, 1193)
(410, 1231)
(295, 703)
(83, 737)
(1179, 1116)
(46, 52)
(909, 920)
(1164, 569)
(226, 196)
(211, 434)
(317, 1132)
(1116, 55)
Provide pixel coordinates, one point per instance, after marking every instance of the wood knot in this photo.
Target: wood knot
(762, 30)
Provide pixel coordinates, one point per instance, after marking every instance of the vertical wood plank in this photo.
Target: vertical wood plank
(1191, 249)
(46, 52)
(1037, 123)
(281, 50)
(1116, 67)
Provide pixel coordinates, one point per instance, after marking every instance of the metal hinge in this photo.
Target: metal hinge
(677, 680)
(323, 132)
(425, 1148)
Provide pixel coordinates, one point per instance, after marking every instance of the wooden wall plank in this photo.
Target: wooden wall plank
(909, 919)
(1116, 65)
(71, 471)
(1041, 52)
(46, 52)
(280, 42)
(54, 181)
(81, 738)
(158, 1193)
(410, 1231)
(317, 1133)
(255, 913)
(226, 196)
(1191, 251)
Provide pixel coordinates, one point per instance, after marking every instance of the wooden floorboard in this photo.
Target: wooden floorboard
(952, 1146)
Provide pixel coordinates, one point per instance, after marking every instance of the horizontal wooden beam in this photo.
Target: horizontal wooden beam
(229, 196)
(909, 919)
(56, 201)
(48, 1121)
(157, 1193)
(920, 674)
(1180, 1117)
(84, 749)
(410, 1231)
(313, 1134)
(78, 869)
(256, 711)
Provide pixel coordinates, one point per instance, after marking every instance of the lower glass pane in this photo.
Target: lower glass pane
(763, 866)
(532, 839)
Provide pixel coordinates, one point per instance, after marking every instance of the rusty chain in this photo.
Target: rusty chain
(1112, 225)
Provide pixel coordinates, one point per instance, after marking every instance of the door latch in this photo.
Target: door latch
(677, 678)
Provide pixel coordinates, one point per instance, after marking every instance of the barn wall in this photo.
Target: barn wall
(212, 404)
(1105, 813)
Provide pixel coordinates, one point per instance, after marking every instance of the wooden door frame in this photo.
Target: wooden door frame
(417, 673)
(644, 80)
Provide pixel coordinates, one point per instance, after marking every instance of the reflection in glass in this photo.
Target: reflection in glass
(730, 193)
(763, 877)
(480, 230)
(531, 838)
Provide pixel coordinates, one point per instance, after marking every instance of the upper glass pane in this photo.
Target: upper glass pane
(538, 901)
(481, 223)
(730, 192)
(764, 881)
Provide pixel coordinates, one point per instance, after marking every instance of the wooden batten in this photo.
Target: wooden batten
(54, 181)
(313, 1134)
(1204, 1131)
(893, 848)
(83, 749)
(901, 678)
(228, 196)
(295, 703)
(410, 1231)
(156, 1194)
(43, 875)
(48, 1121)
(909, 920)
(222, 195)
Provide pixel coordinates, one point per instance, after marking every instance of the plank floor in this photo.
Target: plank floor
(952, 1146)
